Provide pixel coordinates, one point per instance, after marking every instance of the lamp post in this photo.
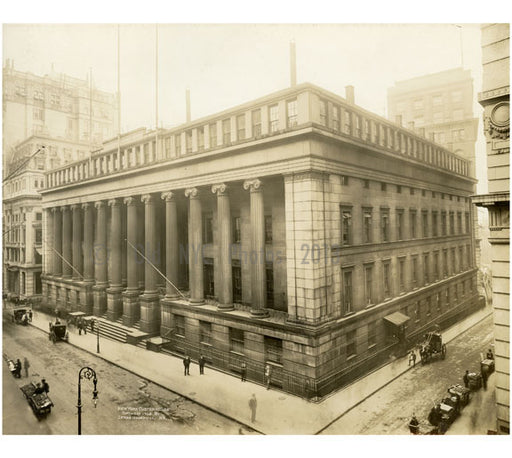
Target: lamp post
(98, 337)
(86, 373)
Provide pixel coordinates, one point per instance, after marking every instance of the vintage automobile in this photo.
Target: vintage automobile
(432, 346)
(20, 315)
(58, 331)
(40, 402)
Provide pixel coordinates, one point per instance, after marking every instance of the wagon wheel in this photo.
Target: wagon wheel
(443, 351)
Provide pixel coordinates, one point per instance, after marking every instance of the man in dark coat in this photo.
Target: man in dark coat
(489, 354)
(45, 386)
(243, 372)
(186, 365)
(484, 375)
(465, 379)
(202, 362)
(26, 366)
(252, 405)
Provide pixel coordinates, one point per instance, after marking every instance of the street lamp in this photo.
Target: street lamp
(98, 337)
(86, 373)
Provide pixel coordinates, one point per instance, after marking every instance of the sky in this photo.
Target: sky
(225, 65)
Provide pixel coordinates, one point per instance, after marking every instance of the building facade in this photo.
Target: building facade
(495, 99)
(55, 106)
(297, 230)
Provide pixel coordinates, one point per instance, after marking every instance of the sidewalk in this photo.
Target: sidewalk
(277, 412)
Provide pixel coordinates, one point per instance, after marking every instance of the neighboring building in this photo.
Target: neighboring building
(22, 210)
(300, 230)
(56, 106)
(440, 107)
(495, 98)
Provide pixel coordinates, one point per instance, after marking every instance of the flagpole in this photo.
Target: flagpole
(156, 91)
(118, 95)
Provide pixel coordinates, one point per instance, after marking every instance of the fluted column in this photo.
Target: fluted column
(49, 238)
(149, 301)
(100, 260)
(225, 290)
(88, 267)
(171, 245)
(114, 302)
(66, 242)
(131, 308)
(257, 257)
(195, 247)
(77, 242)
(57, 242)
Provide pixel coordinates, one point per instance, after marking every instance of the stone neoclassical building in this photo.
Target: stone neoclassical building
(297, 230)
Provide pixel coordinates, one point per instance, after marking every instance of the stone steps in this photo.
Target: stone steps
(115, 330)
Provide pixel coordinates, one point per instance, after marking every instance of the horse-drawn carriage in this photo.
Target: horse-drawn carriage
(39, 401)
(58, 331)
(432, 347)
(21, 315)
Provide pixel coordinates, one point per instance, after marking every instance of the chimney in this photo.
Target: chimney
(410, 125)
(349, 94)
(188, 105)
(293, 64)
(398, 120)
(422, 131)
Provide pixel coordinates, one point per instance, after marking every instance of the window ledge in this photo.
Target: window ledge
(351, 357)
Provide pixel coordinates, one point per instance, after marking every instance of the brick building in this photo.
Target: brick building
(299, 230)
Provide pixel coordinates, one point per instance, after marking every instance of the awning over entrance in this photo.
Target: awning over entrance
(397, 318)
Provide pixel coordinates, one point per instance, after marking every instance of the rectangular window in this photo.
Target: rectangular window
(347, 115)
(372, 334)
(436, 265)
(39, 114)
(401, 274)
(177, 144)
(323, 112)
(205, 332)
(200, 139)
(400, 224)
(344, 180)
(424, 220)
(445, 263)
(347, 291)
(384, 224)
(368, 284)
(346, 225)
(39, 236)
(461, 259)
(188, 141)
(452, 223)
(439, 304)
(443, 223)
(209, 279)
(179, 325)
(434, 224)
(426, 276)
(428, 306)
(367, 225)
(291, 110)
(383, 187)
(207, 229)
(256, 122)
(268, 229)
(398, 189)
(237, 229)
(468, 256)
(237, 283)
(386, 270)
(226, 131)
(454, 261)
(366, 184)
(336, 118)
(412, 219)
(459, 223)
(351, 343)
(273, 118)
(270, 284)
(414, 273)
(273, 349)
(240, 127)
(236, 341)
(466, 225)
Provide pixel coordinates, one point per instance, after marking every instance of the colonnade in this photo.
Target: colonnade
(78, 252)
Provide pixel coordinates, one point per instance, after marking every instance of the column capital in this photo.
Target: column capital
(75, 207)
(254, 185)
(147, 199)
(64, 208)
(54, 209)
(113, 202)
(130, 201)
(168, 196)
(99, 204)
(86, 206)
(193, 193)
(220, 189)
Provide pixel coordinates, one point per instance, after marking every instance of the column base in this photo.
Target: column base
(259, 313)
(99, 294)
(131, 307)
(225, 307)
(86, 297)
(114, 303)
(150, 313)
(196, 302)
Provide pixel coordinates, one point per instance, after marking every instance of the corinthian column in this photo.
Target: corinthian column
(257, 257)
(114, 302)
(131, 308)
(66, 242)
(77, 242)
(195, 247)
(88, 258)
(225, 291)
(171, 245)
(100, 260)
(57, 242)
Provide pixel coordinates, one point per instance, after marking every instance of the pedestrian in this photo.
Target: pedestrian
(39, 389)
(489, 354)
(465, 379)
(186, 365)
(92, 325)
(268, 375)
(30, 315)
(17, 369)
(412, 357)
(252, 405)
(84, 326)
(26, 366)
(243, 371)
(414, 424)
(484, 375)
(202, 362)
(45, 386)
(79, 326)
